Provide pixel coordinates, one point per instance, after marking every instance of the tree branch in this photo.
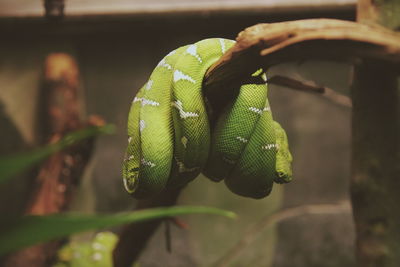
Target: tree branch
(265, 45)
(307, 87)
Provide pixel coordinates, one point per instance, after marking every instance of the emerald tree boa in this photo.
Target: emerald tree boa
(170, 141)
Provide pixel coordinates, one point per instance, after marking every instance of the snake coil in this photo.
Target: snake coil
(170, 141)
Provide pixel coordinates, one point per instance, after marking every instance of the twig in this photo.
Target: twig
(179, 223)
(253, 232)
(308, 87)
(167, 233)
(337, 98)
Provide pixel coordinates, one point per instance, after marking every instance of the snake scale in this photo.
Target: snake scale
(170, 142)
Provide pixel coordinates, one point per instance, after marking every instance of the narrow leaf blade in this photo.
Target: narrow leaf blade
(29, 230)
(11, 165)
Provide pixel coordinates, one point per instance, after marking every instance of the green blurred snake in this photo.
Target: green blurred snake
(170, 141)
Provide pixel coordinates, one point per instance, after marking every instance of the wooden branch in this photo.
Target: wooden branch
(62, 105)
(254, 231)
(265, 45)
(60, 174)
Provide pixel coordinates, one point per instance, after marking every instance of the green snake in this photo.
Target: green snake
(170, 142)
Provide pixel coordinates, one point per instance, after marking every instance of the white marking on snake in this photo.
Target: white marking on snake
(126, 184)
(131, 157)
(192, 50)
(241, 139)
(98, 246)
(142, 125)
(184, 141)
(258, 110)
(179, 75)
(183, 114)
(129, 140)
(76, 255)
(97, 256)
(145, 101)
(147, 163)
(171, 53)
(265, 78)
(223, 48)
(164, 64)
(269, 146)
(149, 84)
(183, 168)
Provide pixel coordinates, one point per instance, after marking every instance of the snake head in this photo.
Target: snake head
(283, 165)
(130, 174)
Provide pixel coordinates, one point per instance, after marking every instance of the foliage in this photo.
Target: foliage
(20, 232)
(28, 230)
(97, 252)
(11, 165)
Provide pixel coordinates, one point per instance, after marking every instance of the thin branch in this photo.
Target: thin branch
(308, 87)
(337, 98)
(254, 231)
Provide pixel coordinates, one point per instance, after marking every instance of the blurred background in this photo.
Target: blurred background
(117, 44)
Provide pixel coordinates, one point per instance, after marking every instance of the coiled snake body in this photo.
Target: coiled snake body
(170, 141)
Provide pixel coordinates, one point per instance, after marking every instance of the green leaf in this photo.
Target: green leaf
(11, 165)
(29, 230)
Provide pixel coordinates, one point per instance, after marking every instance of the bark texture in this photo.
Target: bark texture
(375, 167)
(265, 45)
(376, 149)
